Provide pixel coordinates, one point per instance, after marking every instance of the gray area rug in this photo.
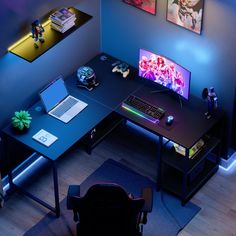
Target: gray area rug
(167, 218)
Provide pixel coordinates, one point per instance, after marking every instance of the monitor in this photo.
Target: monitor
(165, 72)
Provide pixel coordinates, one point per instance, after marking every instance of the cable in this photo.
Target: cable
(168, 210)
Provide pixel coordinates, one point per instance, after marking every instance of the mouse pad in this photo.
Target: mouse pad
(165, 126)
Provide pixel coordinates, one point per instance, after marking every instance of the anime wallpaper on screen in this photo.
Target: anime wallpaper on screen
(164, 72)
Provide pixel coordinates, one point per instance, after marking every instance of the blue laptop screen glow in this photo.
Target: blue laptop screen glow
(53, 93)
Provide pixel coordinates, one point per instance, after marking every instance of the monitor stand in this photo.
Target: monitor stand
(169, 91)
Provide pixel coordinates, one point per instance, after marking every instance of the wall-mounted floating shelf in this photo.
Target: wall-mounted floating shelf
(25, 49)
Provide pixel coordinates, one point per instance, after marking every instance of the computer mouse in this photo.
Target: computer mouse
(169, 120)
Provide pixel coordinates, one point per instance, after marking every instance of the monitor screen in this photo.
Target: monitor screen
(165, 72)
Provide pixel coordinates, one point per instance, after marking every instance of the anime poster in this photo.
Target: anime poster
(146, 5)
(186, 13)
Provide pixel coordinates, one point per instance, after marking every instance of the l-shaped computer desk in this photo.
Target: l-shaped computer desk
(175, 173)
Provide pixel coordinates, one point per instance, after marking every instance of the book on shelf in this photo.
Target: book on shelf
(192, 151)
(63, 28)
(61, 16)
(63, 23)
(62, 20)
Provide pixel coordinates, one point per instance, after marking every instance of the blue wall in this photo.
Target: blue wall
(211, 56)
(20, 81)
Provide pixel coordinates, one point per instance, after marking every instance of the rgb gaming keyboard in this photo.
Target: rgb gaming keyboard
(144, 109)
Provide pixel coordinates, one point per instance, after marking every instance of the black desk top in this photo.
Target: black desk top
(113, 87)
(189, 124)
(68, 134)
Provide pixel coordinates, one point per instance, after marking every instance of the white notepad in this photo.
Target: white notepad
(45, 137)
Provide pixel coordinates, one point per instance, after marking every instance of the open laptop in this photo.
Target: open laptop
(58, 103)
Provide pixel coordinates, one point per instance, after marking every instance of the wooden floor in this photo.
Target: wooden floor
(217, 198)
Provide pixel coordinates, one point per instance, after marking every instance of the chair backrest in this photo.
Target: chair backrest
(107, 209)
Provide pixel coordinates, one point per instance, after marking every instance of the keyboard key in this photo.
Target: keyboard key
(143, 108)
(64, 107)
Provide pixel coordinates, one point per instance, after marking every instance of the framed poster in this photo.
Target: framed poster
(146, 5)
(186, 13)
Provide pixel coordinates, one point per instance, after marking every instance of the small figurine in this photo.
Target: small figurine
(212, 101)
(37, 33)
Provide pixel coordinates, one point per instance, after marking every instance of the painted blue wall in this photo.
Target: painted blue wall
(211, 56)
(20, 81)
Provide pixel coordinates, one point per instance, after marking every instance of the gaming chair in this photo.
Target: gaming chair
(107, 210)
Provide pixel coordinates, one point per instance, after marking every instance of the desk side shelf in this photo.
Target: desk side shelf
(173, 180)
(177, 161)
(183, 176)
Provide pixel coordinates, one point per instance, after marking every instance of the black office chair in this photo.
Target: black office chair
(107, 210)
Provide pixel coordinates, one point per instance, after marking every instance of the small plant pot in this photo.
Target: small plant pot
(21, 121)
(18, 131)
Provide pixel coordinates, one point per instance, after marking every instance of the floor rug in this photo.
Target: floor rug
(168, 216)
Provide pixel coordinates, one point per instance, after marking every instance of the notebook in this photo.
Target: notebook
(45, 137)
(59, 103)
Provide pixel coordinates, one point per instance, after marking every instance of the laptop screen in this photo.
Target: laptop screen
(54, 93)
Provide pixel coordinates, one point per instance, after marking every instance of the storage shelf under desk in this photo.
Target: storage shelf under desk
(172, 180)
(178, 161)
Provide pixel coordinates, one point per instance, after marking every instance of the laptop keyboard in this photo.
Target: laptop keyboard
(64, 107)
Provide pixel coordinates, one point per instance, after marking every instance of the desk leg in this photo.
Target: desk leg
(6, 156)
(159, 162)
(185, 178)
(10, 180)
(56, 192)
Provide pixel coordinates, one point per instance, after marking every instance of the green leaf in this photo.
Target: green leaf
(21, 126)
(21, 119)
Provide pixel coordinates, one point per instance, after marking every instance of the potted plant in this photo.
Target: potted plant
(21, 120)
